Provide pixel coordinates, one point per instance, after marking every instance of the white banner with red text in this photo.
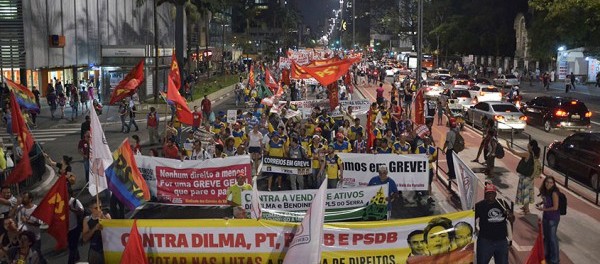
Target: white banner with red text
(359, 107)
(220, 241)
(362, 203)
(192, 182)
(410, 172)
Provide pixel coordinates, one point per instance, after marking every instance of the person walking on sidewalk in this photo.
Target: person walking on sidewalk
(152, 126)
(572, 79)
(525, 194)
(551, 217)
(492, 227)
(123, 115)
(205, 104)
(449, 147)
(132, 110)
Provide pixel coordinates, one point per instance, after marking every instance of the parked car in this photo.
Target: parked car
(484, 93)
(552, 112)
(440, 72)
(433, 88)
(482, 81)
(506, 115)
(578, 156)
(506, 80)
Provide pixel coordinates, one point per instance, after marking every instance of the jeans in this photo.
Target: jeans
(153, 135)
(73, 241)
(124, 125)
(86, 168)
(296, 181)
(552, 252)
(450, 162)
(132, 122)
(313, 179)
(486, 249)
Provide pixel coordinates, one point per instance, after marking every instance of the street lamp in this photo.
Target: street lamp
(562, 48)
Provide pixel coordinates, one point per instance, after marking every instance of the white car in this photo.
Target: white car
(391, 71)
(461, 84)
(506, 115)
(507, 80)
(440, 72)
(433, 88)
(484, 93)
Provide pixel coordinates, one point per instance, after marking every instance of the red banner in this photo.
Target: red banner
(182, 110)
(174, 73)
(129, 84)
(333, 95)
(54, 211)
(298, 73)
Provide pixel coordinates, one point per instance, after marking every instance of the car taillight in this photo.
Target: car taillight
(481, 93)
(588, 114)
(454, 82)
(524, 118)
(561, 112)
(499, 118)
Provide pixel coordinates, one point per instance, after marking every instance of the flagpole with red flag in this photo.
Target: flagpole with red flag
(537, 255)
(23, 169)
(129, 84)
(134, 252)
(53, 210)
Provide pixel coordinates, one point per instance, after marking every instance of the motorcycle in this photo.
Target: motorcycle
(515, 98)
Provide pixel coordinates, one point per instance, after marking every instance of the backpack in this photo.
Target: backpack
(499, 151)
(459, 143)
(562, 203)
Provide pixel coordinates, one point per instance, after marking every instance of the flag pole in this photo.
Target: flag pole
(97, 193)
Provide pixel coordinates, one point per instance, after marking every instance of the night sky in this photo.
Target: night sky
(315, 11)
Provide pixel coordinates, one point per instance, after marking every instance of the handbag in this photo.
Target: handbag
(525, 167)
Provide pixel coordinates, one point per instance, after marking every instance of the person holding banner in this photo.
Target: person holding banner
(296, 151)
(382, 178)
(427, 148)
(275, 148)
(315, 153)
(92, 232)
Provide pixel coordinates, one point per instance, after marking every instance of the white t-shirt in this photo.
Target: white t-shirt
(74, 205)
(5, 208)
(22, 211)
(254, 139)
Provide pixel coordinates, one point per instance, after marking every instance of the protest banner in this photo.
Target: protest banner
(466, 181)
(284, 63)
(286, 166)
(363, 203)
(222, 241)
(410, 172)
(192, 182)
(231, 116)
(359, 107)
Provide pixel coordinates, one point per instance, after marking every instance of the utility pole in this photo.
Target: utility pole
(419, 43)
(353, 24)
(223, 47)
(341, 21)
(155, 77)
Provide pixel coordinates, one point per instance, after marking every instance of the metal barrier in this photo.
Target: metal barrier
(568, 177)
(38, 167)
(510, 140)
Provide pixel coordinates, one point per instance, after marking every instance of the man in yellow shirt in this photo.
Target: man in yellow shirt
(275, 148)
(234, 192)
(332, 168)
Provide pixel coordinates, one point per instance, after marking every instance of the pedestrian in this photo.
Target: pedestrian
(85, 126)
(255, 146)
(449, 148)
(84, 150)
(550, 219)
(440, 112)
(489, 152)
(597, 79)
(152, 126)
(74, 102)
(488, 124)
(525, 193)
(331, 168)
(9, 238)
(492, 214)
(197, 119)
(25, 221)
(382, 178)
(92, 232)
(76, 213)
(25, 252)
(62, 101)
(36, 94)
(7, 201)
(427, 148)
(170, 150)
(132, 111)
(379, 92)
(296, 151)
(84, 98)
(572, 79)
(137, 149)
(205, 104)
(52, 102)
(277, 148)
(123, 112)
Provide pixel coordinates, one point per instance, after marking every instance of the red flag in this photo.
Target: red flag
(134, 252)
(270, 81)
(333, 95)
(329, 73)
(23, 169)
(54, 211)
(537, 252)
(370, 135)
(419, 108)
(251, 77)
(297, 72)
(129, 84)
(182, 110)
(285, 76)
(174, 73)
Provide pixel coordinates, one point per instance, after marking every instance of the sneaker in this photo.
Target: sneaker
(431, 201)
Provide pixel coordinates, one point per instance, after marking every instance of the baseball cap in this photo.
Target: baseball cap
(316, 136)
(490, 188)
(241, 174)
(318, 129)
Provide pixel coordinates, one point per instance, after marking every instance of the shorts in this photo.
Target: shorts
(254, 149)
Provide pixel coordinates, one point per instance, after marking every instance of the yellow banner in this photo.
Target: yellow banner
(441, 239)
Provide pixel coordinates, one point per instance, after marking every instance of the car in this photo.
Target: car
(440, 72)
(552, 112)
(391, 71)
(461, 83)
(507, 80)
(482, 81)
(507, 116)
(578, 156)
(461, 95)
(461, 76)
(433, 88)
(483, 93)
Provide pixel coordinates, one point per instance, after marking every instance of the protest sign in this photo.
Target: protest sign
(222, 241)
(192, 181)
(286, 166)
(363, 203)
(359, 107)
(410, 172)
(231, 116)
(466, 181)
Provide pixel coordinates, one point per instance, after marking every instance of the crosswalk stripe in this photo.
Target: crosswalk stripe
(43, 136)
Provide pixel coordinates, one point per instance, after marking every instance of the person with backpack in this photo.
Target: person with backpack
(531, 170)
(454, 143)
(550, 206)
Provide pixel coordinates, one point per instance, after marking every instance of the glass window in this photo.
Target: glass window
(461, 93)
(482, 106)
(575, 140)
(506, 108)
